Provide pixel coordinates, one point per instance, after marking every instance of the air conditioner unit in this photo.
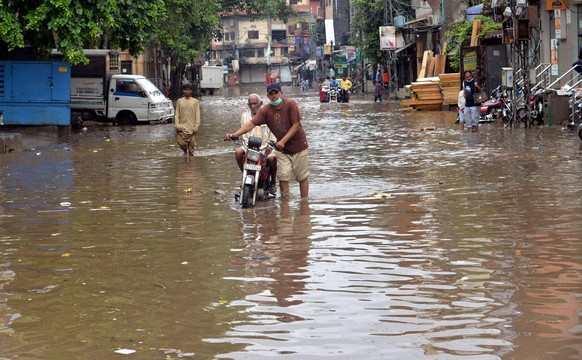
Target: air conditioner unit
(431, 20)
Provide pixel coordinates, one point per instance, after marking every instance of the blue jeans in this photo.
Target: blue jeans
(472, 116)
(578, 65)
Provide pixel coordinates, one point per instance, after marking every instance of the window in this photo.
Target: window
(279, 35)
(254, 34)
(246, 53)
(229, 36)
(128, 87)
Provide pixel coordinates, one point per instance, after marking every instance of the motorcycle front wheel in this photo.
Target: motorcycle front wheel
(247, 196)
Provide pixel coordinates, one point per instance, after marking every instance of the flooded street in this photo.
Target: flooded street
(412, 245)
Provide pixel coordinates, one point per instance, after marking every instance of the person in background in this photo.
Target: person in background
(334, 83)
(323, 88)
(461, 103)
(472, 109)
(377, 91)
(345, 84)
(187, 120)
(283, 118)
(254, 104)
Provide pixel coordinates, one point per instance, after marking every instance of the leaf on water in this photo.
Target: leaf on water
(66, 255)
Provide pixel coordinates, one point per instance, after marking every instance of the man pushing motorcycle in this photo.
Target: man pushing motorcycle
(254, 104)
(283, 118)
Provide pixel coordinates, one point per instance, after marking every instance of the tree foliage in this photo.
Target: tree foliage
(71, 25)
(183, 27)
(187, 29)
(277, 9)
(368, 18)
(459, 35)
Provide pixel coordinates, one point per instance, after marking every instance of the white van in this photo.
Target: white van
(133, 99)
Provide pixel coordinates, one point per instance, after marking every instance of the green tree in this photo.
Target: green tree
(368, 18)
(459, 35)
(71, 25)
(182, 29)
(276, 9)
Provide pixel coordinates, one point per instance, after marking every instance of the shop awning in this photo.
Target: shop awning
(402, 48)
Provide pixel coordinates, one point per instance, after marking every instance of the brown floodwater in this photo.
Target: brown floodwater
(413, 244)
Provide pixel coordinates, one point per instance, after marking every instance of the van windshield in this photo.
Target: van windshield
(149, 87)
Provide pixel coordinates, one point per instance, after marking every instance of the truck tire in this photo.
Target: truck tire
(125, 118)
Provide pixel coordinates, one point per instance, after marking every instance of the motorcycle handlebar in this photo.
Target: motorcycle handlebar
(270, 144)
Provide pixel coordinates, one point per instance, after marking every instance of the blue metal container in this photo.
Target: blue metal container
(35, 93)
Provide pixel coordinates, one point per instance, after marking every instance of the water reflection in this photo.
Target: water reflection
(413, 244)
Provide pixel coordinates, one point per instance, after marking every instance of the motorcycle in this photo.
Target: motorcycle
(491, 107)
(328, 94)
(343, 96)
(536, 108)
(256, 172)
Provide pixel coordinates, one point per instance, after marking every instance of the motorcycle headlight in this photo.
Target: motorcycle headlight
(253, 155)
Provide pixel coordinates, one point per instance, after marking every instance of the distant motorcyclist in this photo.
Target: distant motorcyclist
(334, 83)
(345, 86)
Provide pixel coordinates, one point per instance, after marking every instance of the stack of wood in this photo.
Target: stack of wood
(425, 92)
(450, 87)
(434, 88)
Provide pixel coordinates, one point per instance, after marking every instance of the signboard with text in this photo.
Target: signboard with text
(556, 5)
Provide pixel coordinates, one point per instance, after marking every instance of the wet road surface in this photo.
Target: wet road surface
(412, 245)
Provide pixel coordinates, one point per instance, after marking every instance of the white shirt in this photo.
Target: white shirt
(259, 131)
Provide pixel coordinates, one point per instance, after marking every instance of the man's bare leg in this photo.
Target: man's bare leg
(304, 188)
(284, 187)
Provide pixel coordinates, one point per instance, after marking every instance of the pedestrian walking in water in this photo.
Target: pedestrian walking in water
(187, 120)
(472, 108)
(377, 91)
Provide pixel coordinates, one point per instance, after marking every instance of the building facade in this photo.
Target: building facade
(259, 50)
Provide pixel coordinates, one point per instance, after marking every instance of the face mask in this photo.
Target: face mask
(275, 103)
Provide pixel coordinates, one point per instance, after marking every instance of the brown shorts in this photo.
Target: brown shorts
(293, 166)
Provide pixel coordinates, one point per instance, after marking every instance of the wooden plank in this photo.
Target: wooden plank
(431, 67)
(441, 64)
(425, 62)
(475, 31)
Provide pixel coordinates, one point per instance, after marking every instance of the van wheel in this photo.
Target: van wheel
(125, 118)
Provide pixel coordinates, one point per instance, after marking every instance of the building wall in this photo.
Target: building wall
(567, 46)
(339, 11)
